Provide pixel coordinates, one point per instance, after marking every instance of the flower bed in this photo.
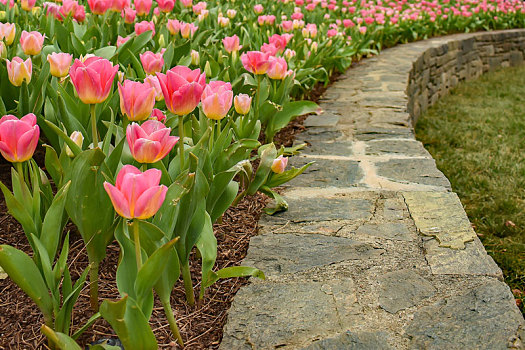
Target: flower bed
(154, 160)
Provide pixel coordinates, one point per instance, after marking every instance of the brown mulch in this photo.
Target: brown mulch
(201, 326)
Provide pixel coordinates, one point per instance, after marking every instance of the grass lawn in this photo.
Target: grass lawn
(477, 136)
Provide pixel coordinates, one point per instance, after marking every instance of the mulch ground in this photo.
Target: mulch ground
(201, 326)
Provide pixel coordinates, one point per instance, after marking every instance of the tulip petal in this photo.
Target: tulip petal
(150, 202)
(118, 200)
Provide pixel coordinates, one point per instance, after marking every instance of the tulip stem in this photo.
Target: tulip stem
(188, 285)
(212, 137)
(181, 141)
(94, 125)
(168, 311)
(93, 286)
(136, 238)
(258, 97)
(20, 170)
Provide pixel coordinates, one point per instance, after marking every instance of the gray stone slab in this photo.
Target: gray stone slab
(473, 260)
(402, 289)
(353, 341)
(279, 254)
(325, 119)
(292, 315)
(419, 171)
(408, 148)
(390, 230)
(334, 148)
(321, 208)
(486, 317)
(326, 172)
(373, 133)
(440, 215)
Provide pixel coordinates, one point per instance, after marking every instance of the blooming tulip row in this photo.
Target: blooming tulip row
(153, 113)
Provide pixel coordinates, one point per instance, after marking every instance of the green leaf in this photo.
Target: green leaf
(60, 340)
(18, 211)
(23, 271)
(268, 154)
(288, 113)
(53, 222)
(276, 180)
(72, 145)
(106, 52)
(53, 166)
(129, 323)
(235, 271)
(207, 245)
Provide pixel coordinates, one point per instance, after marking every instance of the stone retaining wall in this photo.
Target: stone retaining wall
(441, 68)
(376, 252)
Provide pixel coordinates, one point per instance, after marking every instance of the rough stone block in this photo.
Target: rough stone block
(418, 171)
(354, 341)
(327, 172)
(402, 289)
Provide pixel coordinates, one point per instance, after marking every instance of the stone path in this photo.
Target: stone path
(376, 252)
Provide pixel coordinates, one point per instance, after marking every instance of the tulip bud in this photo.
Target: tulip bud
(195, 59)
(207, 69)
(3, 50)
(19, 70)
(77, 138)
(162, 41)
(242, 103)
(279, 164)
(59, 64)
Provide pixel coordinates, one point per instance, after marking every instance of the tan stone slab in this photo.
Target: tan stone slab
(440, 215)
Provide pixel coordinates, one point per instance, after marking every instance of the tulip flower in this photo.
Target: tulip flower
(158, 115)
(143, 7)
(77, 138)
(166, 5)
(121, 40)
(279, 164)
(129, 15)
(144, 26)
(136, 99)
(149, 142)
(195, 57)
(154, 82)
(258, 8)
(173, 26)
(199, 7)
(93, 79)
(99, 7)
(255, 62)
(231, 43)
(242, 103)
(186, 3)
(280, 41)
(80, 14)
(19, 70)
(136, 194)
(217, 99)
(27, 5)
(119, 5)
(152, 62)
(278, 68)
(59, 64)
(231, 13)
(31, 42)
(182, 89)
(18, 137)
(187, 30)
(7, 32)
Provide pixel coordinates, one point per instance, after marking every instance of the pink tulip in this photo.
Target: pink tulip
(18, 137)
(242, 103)
(93, 79)
(270, 49)
(27, 5)
(287, 26)
(121, 40)
(119, 5)
(99, 7)
(7, 32)
(149, 142)
(152, 62)
(31, 42)
(231, 43)
(280, 41)
(186, 3)
(258, 8)
(278, 68)
(217, 99)
(173, 26)
(19, 70)
(153, 81)
(197, 9)
(166, 5)
(59, 64)
(182, 88)
(136, 194)
(129, 15)
(144, 26)
(255, 62)
(279, 164)
(136, 99)
(143, 7)
(187, 30)
(80, 14)
(158, 115)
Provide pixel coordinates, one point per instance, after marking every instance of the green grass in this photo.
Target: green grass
(477, 137)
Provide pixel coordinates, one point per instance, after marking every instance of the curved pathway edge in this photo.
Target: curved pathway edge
(376, 251)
